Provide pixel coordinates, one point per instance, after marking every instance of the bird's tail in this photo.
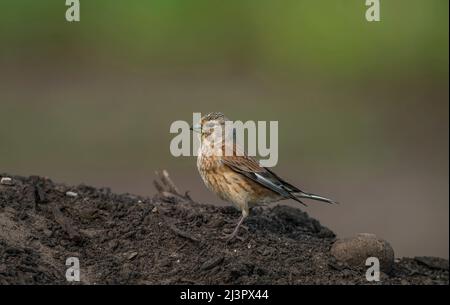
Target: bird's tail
(314, 197)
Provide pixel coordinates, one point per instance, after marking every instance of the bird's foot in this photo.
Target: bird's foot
(230, 237)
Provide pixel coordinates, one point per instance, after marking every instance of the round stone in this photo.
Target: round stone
(356, 250)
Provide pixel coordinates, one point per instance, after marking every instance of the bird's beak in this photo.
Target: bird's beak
(196, 128)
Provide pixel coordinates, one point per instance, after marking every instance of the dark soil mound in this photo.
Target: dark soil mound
(168, 240)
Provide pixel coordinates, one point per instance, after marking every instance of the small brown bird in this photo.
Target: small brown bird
(239, 178)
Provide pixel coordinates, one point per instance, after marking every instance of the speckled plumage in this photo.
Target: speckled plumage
(232, 186)
(239, 178)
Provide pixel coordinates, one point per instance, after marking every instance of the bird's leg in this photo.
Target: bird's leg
(236, 229)
(233, 222)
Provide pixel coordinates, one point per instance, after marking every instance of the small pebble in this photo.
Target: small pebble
(132, 255)
(71, 194)
(6, 181)
(47, 232)
(113, 244)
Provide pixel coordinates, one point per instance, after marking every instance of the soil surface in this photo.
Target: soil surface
(128, 239)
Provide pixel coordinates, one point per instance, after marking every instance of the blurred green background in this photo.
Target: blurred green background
(362, 107)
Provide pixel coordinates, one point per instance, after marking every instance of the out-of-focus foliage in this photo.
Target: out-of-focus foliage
(292, 36)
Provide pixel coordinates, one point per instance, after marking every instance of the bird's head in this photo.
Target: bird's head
(211, 125)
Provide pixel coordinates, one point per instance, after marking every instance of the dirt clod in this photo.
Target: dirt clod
(6, 181)
(71, 194)
(354, 251)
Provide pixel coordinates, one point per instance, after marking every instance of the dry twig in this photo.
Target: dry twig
(167, 189)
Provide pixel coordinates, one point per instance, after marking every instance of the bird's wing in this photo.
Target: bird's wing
(250, 168)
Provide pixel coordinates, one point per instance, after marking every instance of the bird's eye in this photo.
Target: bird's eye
(209, 125)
